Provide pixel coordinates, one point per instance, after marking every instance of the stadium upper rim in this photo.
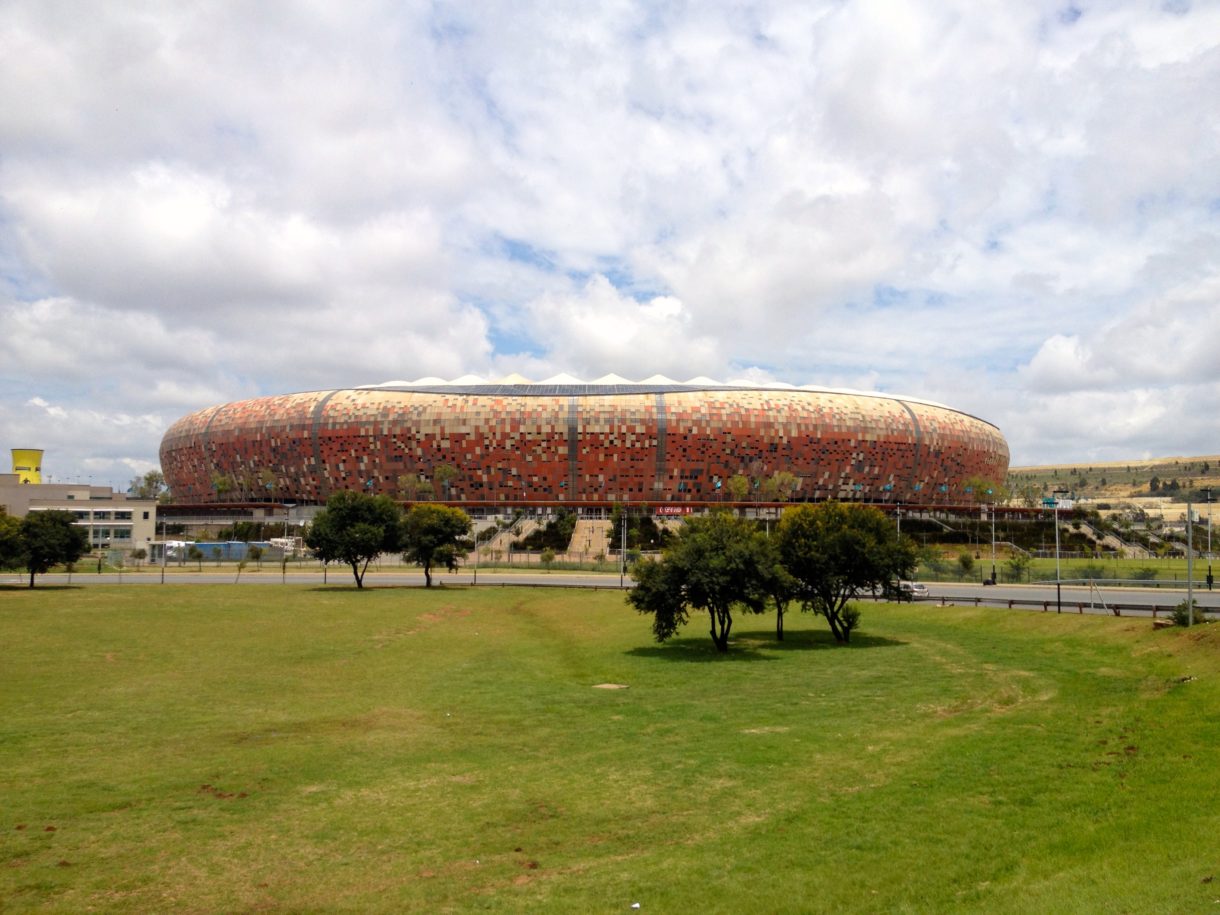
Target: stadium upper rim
(568, 386)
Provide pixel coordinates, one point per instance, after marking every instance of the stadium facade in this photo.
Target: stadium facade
(562, 441)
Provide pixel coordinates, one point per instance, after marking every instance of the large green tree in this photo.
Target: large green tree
(50, 538)
(834, 552)
(354, 529)
(431, 535)
(10, 540)
(716, 564)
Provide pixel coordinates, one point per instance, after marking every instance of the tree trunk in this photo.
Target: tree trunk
(779, 623)
(836, 627)
(722, 623)
(427, 575)
(31, 578)
(357, 574)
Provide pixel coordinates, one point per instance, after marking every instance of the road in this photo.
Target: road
(337, 577)
(1131, 600)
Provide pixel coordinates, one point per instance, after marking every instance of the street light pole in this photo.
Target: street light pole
(1058, 578)
(1208, 490)
(1190, 565)
(622, 552)
(993, 544)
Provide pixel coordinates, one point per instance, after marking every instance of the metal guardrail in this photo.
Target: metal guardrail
(1078, 606)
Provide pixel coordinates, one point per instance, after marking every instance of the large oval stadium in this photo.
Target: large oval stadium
(563, 441)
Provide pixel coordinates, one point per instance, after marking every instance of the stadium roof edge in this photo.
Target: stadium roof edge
(566, 385)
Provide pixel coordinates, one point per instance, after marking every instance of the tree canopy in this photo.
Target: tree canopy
(150, 485)
(10, 540)
(50, 538)
(430, 536)
(717, 563)
(835, 551)
(355, 528)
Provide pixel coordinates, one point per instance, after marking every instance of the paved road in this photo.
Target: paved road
(333, 577)
(1132, 600)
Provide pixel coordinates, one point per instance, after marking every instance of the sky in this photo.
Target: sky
(1009, 208)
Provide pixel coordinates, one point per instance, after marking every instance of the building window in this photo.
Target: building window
(101, 516)
(122, 516)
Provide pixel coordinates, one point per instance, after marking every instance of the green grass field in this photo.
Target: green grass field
(207, 749)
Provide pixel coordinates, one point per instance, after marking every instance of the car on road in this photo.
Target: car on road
(917, 590)
(905, 591)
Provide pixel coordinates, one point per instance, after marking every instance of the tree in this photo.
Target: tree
(836, 551)
(1018, 567)
(784, 484)
(355, 528)
(48, 538)
(738, 487)
(984, 490)
(430, 536)
(716, 563)
(195, 554)
(445, 474)
(778, 583)
(149, 486)
(223, 484)
(10, 540)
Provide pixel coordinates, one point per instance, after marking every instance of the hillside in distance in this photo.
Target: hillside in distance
(1167, 478)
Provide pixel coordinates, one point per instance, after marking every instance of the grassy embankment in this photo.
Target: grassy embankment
(213, 749)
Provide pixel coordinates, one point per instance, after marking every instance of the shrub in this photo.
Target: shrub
(1181, 613)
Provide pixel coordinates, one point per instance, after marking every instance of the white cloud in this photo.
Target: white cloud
(1006, 208)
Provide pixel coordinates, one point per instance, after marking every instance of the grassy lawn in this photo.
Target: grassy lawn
(200, 749)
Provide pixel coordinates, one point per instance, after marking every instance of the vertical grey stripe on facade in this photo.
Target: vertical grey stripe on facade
(918, 445)
(203, 434)
(315, 424)
(573, 444)
(662, 424)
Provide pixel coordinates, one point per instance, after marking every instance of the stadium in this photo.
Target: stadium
(562, 441)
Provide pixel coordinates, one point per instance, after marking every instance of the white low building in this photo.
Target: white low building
(112, 520)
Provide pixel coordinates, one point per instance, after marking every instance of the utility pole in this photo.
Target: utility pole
(1190, 565)
(1058, 577)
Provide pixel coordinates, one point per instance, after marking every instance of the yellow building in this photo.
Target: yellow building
(27, 464)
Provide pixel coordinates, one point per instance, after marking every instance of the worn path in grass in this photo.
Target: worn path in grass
(203, 749)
